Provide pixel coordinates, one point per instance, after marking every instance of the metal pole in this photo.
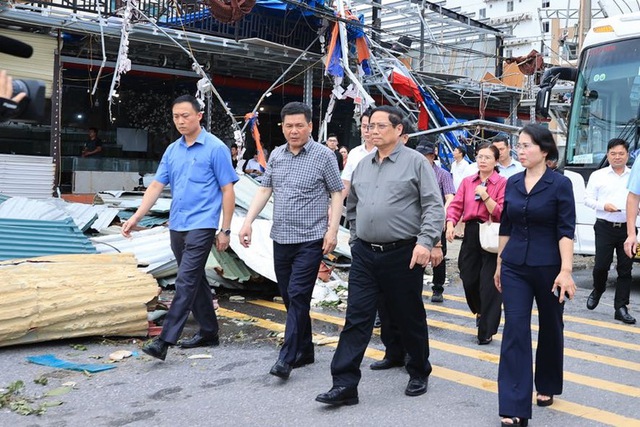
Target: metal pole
(307, 94)
(376, 21)
(499, 56)
(209, 110)
(56, 109)
(585, 21)
(422, 37)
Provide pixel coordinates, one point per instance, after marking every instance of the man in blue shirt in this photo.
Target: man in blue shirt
(198, 167)
(304, 179)
(507, 165)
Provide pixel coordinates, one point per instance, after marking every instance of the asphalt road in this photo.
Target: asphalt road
(233, 387)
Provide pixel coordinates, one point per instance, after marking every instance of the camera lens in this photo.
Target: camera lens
(18, 87)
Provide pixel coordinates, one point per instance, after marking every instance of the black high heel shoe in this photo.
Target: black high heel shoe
(515, 422)
(541, 402)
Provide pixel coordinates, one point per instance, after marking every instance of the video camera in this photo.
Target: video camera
(30, 108)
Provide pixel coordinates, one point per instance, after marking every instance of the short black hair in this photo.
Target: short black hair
(617, 142)
(407, 127)
(366, 113)
(95, 129)
(233, 145)
(332, 135)
(293, 108)
(462, 149)
(395, 114)
(191, 100)
(542, 137)
(502, 137)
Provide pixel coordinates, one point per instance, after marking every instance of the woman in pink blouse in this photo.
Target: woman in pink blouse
(478, 199)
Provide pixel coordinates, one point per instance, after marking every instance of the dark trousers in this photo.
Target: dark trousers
(610, 238)
(477, 268)
(193, 293)
(440, 272)
(520, 285)
(388, 273)
(389, 331)
(296, 267)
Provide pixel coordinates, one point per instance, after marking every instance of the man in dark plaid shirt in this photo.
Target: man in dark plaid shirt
(447, 189)
(304, 179)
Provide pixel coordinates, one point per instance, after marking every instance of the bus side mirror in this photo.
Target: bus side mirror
(543, 99)
(548, 81)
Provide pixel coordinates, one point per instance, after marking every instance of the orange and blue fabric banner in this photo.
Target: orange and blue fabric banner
(252, 118)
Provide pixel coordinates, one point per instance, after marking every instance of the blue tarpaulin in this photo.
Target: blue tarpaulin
(54, 362)
(271, 7)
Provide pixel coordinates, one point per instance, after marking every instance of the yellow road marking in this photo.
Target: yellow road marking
(570, 334)
(567, 317)
(582, 411)
(477, 354)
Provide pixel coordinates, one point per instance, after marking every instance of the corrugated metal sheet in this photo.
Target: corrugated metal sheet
(29, 238)
(26, 176)
(85, 216)
(245, 189)
(231, 267)
(147, 220)
(151, 247)
(23, 208)
(132, 200)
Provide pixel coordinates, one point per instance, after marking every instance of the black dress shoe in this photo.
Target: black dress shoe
(377, 323)
(623, 315)
(156, 348)
(485, 341)
(303, 359)
(339, 396)
(383, 364)
(594, 299)
(199, 341)
(437, 296)
(416, 387)
(281, 369)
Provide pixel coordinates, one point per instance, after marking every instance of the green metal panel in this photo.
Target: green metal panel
(21, 238)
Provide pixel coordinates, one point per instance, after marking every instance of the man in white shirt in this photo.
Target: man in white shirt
(358, 153)
(507, 165)
(459, 165)
(607, 194)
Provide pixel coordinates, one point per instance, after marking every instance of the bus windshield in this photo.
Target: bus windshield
(606, 102)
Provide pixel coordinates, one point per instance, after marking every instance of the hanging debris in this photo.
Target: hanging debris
(229, 10)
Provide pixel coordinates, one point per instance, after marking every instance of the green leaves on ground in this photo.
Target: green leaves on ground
(42, 380)
(12, 398)
(79, 347)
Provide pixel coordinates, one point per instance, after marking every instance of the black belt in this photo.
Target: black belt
(385, 247)
(612, 224)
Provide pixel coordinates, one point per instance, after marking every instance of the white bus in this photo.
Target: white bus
(605, 105)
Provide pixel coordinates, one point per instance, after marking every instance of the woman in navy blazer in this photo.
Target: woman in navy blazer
(535, 261)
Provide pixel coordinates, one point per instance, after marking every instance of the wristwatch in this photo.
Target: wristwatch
(226, 231)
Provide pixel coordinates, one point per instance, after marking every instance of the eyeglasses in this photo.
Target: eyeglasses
(381, 126)
(523, 146)
(485, 157)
